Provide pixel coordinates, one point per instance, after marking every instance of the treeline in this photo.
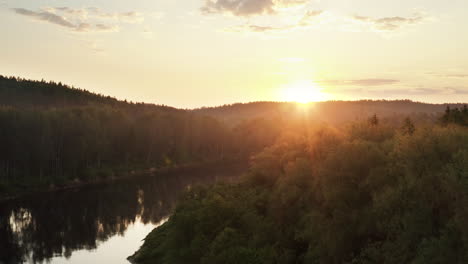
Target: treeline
(52, 134)
(365, 193)
(332, 112)
(58, 145)
(20, 92)
(456, 116)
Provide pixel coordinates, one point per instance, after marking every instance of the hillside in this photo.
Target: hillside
(334, 112)
(24, 93)
(54, 135)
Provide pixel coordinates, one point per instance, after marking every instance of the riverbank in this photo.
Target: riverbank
(98, 223)
(359, 195)
(18, 191)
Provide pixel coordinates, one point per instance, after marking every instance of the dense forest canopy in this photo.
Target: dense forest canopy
(369, 192)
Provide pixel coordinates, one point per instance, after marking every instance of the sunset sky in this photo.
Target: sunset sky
(191, 53)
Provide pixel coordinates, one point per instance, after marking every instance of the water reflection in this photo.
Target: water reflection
(38, 228)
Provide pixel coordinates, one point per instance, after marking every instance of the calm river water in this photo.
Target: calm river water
(95, 224)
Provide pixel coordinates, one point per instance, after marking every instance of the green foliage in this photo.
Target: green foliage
(408, 127)
(52, 134)
(455, 116)
(365, 194)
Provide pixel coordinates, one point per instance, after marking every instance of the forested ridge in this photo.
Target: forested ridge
(52, 134)
(368, 192)
(332, 112)
(25, 93)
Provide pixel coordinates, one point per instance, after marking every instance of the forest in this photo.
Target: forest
(367, 192)
(332, 182)
(53, 134)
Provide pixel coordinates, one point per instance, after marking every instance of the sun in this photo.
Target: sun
(304, 91)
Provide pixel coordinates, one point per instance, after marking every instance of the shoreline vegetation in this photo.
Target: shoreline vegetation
(54, 136)
(127, 175)
(368, 193)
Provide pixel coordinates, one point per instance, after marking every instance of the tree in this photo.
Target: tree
(374, 120)
(408, 127)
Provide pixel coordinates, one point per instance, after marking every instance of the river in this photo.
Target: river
(102, 223)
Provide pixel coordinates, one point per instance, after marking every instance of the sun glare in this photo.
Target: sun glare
(304, 91)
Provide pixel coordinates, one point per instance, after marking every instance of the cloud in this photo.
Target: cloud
(390, 23)
(73, 12)
(430, 91)
(359, 82)
(456, 75)
(403, 92)
(256, 29)
(324, 19)
(126, 17)
(85, 27)
(453, 90)
(308, 19)
(82, 20)
(246, 8)
(46, 16)
(449, 75)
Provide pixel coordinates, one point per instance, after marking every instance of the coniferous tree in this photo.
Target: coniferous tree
(374, 120)
(408, 127)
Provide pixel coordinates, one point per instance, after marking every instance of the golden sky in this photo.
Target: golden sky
(195, 53)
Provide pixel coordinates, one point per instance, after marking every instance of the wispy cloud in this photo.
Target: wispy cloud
(390, 23)
(47, 16)
(246, 8)
(327, 20)
(308, 19)
(401, 92)
(448, 75)
(82, 20)
(125, 17)
(256, 28)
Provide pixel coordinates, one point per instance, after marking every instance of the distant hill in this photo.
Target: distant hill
(23, 93)
(331, 111)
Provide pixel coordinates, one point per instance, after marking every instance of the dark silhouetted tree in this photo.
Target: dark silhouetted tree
(408, 127)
